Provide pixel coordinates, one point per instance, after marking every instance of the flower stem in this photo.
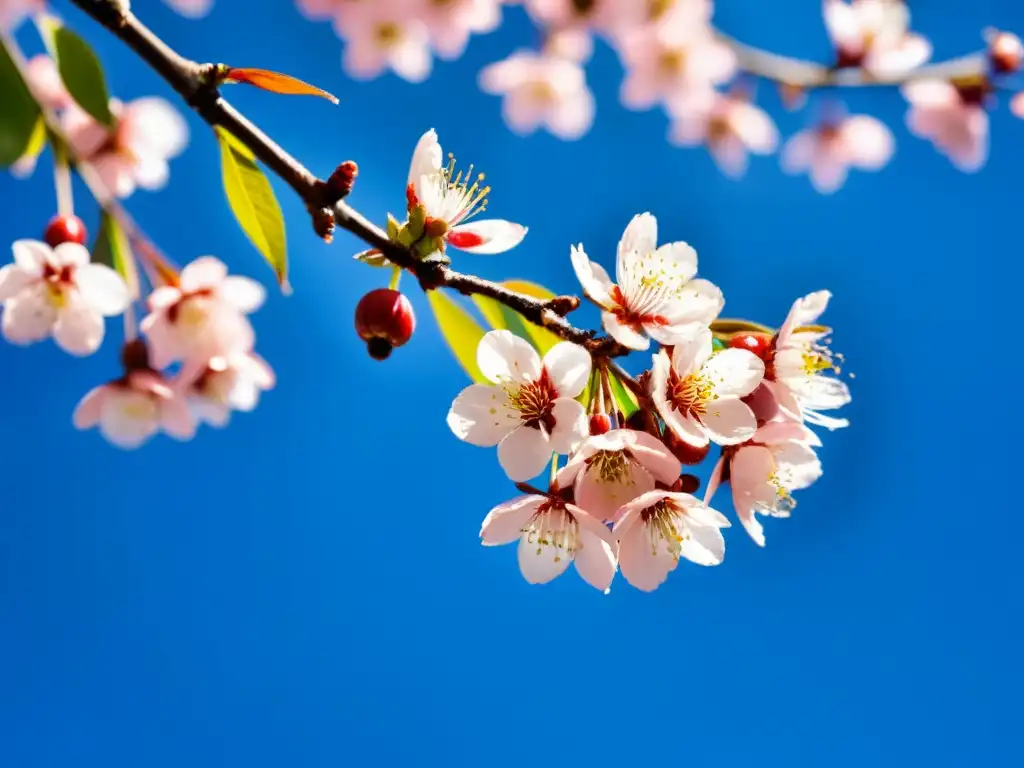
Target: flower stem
(62, 181)
(554, 469)
(396, 277)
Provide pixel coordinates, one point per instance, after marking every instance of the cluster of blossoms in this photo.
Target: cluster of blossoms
(674, 58)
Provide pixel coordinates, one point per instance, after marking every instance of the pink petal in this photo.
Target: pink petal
(639, 239)
(504, 357)
(645, 564)
(31, 256)
(734, 372)
(204, 272)
(799, 152)
(504, 523)
(89, 409)
(570, 425)
(595, 561)
(656, 458)
(103, 289)
(592, 276)
(626, 335)
(13, 280)
(152, 127)
(243, 294)
(30, 316)
(714, 481)
(524, 453)
(573, 116)
(176, 419)
(729, 421)
(79, 328)
(481, 415)
(602, 498)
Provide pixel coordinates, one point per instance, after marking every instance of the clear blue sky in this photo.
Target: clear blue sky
(307, 588)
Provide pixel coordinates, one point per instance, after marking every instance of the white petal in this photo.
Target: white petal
(504, 357)
(244, 294)
(505, 522)
(626, 335)
(869, 142)
(689, 355)
(70, 255)
(524, 453)
(595, 561)
(30, 316)
(481, 415)
(103, 289)
(842, 23)
(570, 424)
(204, 272)
(706, 546)
(13, 280)
(31, 255)
(592, 276)
(640, 237)
(655, 457)
(155, 128)
(426, 158)
(79, 328)
(176, 418)
(129, 418)
(729, 421)
(540, 563)
(487, 237)
(569, 366)
(735, 372)
(90, 408)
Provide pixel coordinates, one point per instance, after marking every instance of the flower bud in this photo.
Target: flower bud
(1005, 53)
(600, 423)
(435, 227)
(758, 343)
(340, 182)
(135, 356)
(384, 320)
(64, 229)
(763, 403)
(682, 450)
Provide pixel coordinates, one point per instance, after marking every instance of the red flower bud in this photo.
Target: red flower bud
(763, 403)
(384, 320)
(1005, 53)
(600, 423)
(64, 229)
(682, 450)
(758, 343)
(341, 181)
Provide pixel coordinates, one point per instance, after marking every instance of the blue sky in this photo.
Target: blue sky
(307, 588)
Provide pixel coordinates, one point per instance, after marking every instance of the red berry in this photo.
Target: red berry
(682, 450)
(64, 229)
(1005, 52)
(758, 343)
(600, 423)
(688, 483)
(384, 320)
(763, 403)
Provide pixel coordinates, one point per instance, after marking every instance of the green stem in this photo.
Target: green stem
(396, 276)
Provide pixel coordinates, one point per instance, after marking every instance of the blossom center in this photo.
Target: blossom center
(663, 524)
(535, 402)
(639, 311)
(613, 467)
(690, 394)
(139, 407)
(464, 195)
(388, 33)
(554, 526)
(672, 60)
(583, 7)
(658, 8)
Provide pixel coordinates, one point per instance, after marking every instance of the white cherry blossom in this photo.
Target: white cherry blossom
(764, 472)
(873, 34)
(57, 291)
(529, 412)
(551, 534)
(382, 34)
(655, 296)
(698, 392)
(454, 198)
(658, 528)
(953, 119)
(450, 23)
(829, 150)
(729, 126)
(230, 383)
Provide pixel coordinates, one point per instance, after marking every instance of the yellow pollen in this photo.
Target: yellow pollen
(55, 296)
(533, 400)
(672, 60)
(692, 394)
(657, 8)
(554, 527)
(388, 33)
(192, 314)
(662, 522)
(472, 191)
(612, 467)
(140, 409)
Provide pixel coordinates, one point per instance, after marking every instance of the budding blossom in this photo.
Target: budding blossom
(656, 296)
(541, 89)
(130, 410)
(201, 318)
(764, 472)
(698, 393)
(829, 150)
(608, 470)
(57, 291)
(873, 34)
(147, 133)
(552, 534)
(451, 198)
(729, 126)
(231, 383)
(953, 119)
(658, 528)
(530, 411)
(383, 34)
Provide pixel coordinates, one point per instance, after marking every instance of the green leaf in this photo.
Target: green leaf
(253, 202)
(113, 249)
(501, 317)
(460, 330)
(625, 400)
(82, 74)
(19, 113)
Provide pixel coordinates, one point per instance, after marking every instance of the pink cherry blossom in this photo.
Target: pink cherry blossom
(330, 9)
(656, 296)
(595, 15)
(609, 470)
(552, 534)
(764, 472)
(230, 383)
(1017, 104)
(698, 392)
(456, 197)
(827, 151)
(57, 291)
(729, 126)
(799, 358)
(13, 12)
(382, 34)
(147, 133)
(530, 412)
(953, 119)
(674, 58)
(541, 90)
(451, 22)
(203, 317)
(44, 82)
(873, 34)
(193, 9)
(129, 411)
(658, 528)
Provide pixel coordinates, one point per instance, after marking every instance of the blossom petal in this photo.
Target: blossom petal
(569, 367)
(154, 127)
(626, 335)
(602, 497)
(128, 418)
(869, 142)
(596, 559)
(706, 546)
(481, 415)
(729, 421)
(656, 458)
(524, 452)
(31, 255)
(734, 372)
(592, 276)
(103, 289)
(30, 316)
(90, 408)
(505, 522)
(643, 563)
(570, 424)
(204, 272)
(244, 294)
(504, 357)
(79, 328)
(639, 237)
(176, 419)
(540, 562)
(70, 255)
(13, 280)
(426, 157)
(689, 355)
(487, 237)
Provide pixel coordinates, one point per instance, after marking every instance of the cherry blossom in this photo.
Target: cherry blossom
(873, 34)
(328, 9)
(147, 133)
(764, 472)
(13, 12)
(451, 22)
(57, 291)
(130, 410)
(953, 119)
(658, 528)
(800, 356)
(541, 90)
(203, 317)
(729, 126)
(591, 15)
(44, 82)
(451, 198)
(829, 150)
(674, 58)
(1017, 104)
(552, 534)
(656, 296)
(530, 412)
(698, 393)
(193, 9)
(608, 470)
(229, 383)
(382, 34)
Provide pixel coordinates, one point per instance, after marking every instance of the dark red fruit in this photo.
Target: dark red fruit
(64, 229)
(600, 423)
(1005, 52)
(682, 450)
(384, 320)
(689, 483)
(758, 343)
(763, 403)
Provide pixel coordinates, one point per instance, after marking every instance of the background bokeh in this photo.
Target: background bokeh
(306, 587)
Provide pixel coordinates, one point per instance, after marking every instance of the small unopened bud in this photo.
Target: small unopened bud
(435, 227)
(64, 229)
(341, 181)
(688, 484)
(563, 305)
(684, 451)
(1005, 52)
(135, 356)
(600, 423)
(384, 320)
(323, 224)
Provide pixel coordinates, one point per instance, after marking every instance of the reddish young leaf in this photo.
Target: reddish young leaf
(275, 82)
